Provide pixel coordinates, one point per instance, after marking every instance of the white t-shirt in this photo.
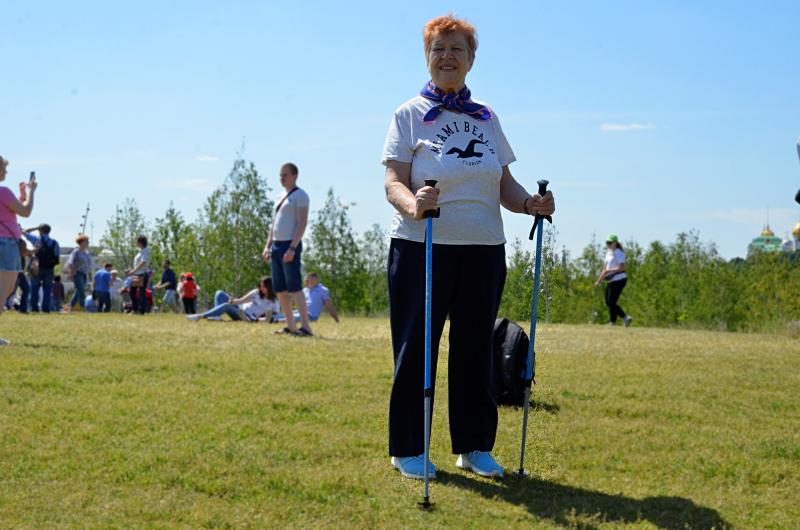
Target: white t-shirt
(288, 217)
(116, 285)
(466, 156)
(257, 307)
(615, 258)
(142, 256)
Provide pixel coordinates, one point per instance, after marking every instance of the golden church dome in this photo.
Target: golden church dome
(796, 230)
(767, 232)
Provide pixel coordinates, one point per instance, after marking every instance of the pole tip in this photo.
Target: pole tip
(425, 505)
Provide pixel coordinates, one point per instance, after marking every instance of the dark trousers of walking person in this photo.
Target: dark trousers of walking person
(139, 295)
(613, 291)
(467, 285)
(79, 297)
(189, 305)
(43, 281)
(103, 301)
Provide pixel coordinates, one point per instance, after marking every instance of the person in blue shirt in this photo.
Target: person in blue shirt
(48, 254)
(102, 288)
(89, 305)
(317, 297)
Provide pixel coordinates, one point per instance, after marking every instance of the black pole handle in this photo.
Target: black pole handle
(431, 213)
(542, 191)
(542, 186)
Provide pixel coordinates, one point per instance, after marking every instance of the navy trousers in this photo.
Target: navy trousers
(467, 285)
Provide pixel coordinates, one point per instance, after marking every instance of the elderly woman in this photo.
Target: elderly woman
(10, 233)
(79, 266)
(443, 134)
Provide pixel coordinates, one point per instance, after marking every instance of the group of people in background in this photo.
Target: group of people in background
(29, 281)
(41, 289)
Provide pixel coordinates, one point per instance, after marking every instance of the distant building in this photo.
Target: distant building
(766, 242)
(792, 242)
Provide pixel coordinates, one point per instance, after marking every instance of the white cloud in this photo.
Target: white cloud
(207, 158)
(626, 127)
(187, 184)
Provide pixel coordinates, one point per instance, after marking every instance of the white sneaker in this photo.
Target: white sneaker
(627, 321)
(4, 342)
(194, 318)
(413, 467)
(482, 463)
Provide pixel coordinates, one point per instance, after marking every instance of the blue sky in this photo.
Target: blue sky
(649, 118)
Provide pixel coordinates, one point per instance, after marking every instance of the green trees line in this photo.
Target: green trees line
(222, 247)
(685, 282)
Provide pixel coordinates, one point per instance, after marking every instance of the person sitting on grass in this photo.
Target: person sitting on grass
(317, 296)
(260, 303)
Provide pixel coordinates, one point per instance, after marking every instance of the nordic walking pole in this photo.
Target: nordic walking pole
(428, 392)
(538, 223)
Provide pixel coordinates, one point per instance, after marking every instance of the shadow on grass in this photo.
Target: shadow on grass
(574, 507)
(540, 406)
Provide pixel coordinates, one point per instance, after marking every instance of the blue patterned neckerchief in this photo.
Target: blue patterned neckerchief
(460, 102)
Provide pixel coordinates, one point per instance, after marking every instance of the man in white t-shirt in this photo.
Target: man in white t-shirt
(284, 249)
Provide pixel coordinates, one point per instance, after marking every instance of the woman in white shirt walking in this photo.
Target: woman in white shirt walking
(614, 273)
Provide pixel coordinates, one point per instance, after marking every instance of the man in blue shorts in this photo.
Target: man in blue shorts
(284, 249)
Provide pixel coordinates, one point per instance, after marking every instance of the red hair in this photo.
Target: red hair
(449, 24)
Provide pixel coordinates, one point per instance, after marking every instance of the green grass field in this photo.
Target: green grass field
(156, 422)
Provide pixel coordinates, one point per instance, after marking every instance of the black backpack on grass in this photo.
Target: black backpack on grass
(510, 360)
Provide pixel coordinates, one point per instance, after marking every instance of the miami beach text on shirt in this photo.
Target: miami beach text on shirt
(467, 151)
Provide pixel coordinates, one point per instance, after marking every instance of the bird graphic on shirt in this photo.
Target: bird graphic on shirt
(469, 152)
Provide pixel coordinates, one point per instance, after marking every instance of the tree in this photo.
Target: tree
(168, 233)
(231, 231)
(122, 229)
(374, 252)
(335, 256)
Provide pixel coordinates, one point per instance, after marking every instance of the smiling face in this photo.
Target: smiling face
(449, 60)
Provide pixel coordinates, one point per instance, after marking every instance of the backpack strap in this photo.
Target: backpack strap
(278, 207)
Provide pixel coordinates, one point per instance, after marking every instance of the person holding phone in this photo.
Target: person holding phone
(10, 232)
